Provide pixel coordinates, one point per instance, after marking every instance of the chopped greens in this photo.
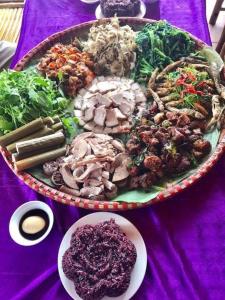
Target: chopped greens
(25, 96)
(190, 100)
(189, 85)
(159, 44)
(136, 161)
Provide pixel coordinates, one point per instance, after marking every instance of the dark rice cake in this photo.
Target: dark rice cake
(129, 8)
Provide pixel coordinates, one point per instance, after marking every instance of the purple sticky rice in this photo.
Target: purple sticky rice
(99, 261)
(121, 8)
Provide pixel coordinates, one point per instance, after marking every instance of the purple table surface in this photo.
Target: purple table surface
(184, 236)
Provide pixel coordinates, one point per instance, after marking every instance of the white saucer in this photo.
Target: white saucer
(132, 233)
(89, 1)
(141, 14)
(16, 217)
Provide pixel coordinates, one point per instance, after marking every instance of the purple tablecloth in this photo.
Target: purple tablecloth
(185, 236)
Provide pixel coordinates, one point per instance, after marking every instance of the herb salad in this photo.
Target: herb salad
(25, 96)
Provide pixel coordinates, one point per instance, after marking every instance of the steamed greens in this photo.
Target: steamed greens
(25, 96)
(159, 44)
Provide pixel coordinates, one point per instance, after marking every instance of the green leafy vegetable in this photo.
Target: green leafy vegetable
(60, 75)
(159, 44)
(70, 125)
(190, 100)
(137, 160)
(25, 96)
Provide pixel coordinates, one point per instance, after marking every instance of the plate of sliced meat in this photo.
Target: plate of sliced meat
(107, 106)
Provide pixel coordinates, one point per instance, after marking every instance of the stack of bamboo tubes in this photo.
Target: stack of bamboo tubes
(11, 12)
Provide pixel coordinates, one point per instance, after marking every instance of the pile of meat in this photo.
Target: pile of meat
(108, 104)
(112, 47)
(99, 261)
(94, 165)
(129, 8)
(68, 66)
(164, 144)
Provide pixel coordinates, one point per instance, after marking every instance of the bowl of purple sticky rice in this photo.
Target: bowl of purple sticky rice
(102, 256)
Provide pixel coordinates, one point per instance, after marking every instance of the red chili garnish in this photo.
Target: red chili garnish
(184, 77)
(191, 76)
(201, 84)
(200, 93)
(191, 90)
(52, 65)
(180, 81)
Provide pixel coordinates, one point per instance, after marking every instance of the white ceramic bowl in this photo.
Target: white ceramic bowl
(132, 233)
(90, 1)
(18, 214)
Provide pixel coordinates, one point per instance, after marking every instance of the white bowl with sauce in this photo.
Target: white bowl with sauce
(14, 223)
(90, 1)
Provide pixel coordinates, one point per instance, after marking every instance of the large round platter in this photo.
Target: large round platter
(132, 233)
(66, 36)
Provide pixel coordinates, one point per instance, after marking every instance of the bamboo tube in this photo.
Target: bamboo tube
(39, 159)
(56, 119)
(21, 132)
(48, 121)
(40, 143)
(57, 126)
(19, 156)
(45, 131)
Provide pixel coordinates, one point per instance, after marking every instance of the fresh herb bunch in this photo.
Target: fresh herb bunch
(159, 44)
(25, 96)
